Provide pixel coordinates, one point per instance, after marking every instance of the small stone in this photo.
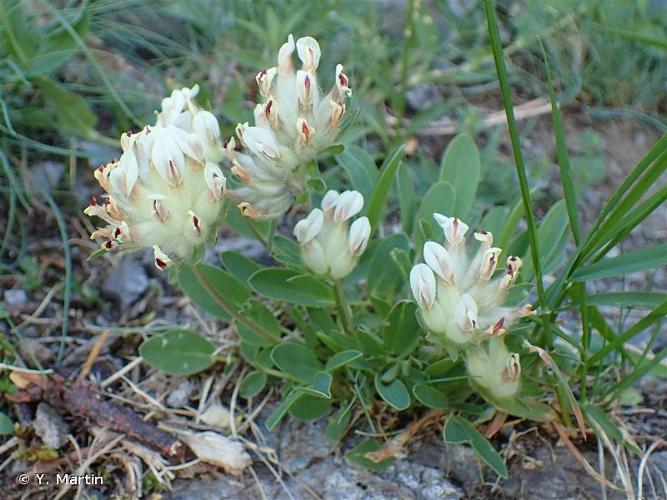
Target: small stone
(125, 282)
(423, 96)
(179, 397)
(45, 176)
(50, 426)
(15, 300)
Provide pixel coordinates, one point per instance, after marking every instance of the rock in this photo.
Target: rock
(302, 442)
(207, 489)
(335, 478)
(423, 96)
(44, 176)
(16, 300)
(50, 426)
(179, 397)
(125, 282)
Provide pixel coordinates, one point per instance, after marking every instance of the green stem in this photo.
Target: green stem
(228, 308)
(343, 309)
(273, 224)
(494, 37)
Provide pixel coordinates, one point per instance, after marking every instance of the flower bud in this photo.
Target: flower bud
(328, 246)
(493, 368)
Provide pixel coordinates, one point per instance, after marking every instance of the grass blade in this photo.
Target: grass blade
(638, 260)
(569, 192)
(497, 48)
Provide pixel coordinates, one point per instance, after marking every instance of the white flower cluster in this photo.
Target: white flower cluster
(461, 303)
(458, 298)
(328, 246)
(166, 190)
(294, 122)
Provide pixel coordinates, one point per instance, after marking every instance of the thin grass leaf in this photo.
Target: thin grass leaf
(628, 299)
(503, 79)
(658, 314)
(630, 262)
(569, 192)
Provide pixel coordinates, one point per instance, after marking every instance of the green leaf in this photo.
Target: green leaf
(260, 315)
(378, 199)
(440, 198)
(357, 455)
(6, 424)
(494, 220)
(361, 169)
(72, 111)
(60, 47)
(338, 424)
(402, 333)
(630, 262)
(458, 431)
(309, 407)
(291, 286)
(384, 275)
(395, 393)
(252, 384)
(239, 265)
(460, 167)
(551, 237)
(431, 397)
(407, 198)
(290, 399)
(287, 252)
(297, 361)
(525, 408)
(341, 359)
(321, 386)
(223, 283)
(19, 42)
(178, 352)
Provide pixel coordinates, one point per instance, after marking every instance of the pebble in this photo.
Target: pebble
(50, 426)
(125, 282)
(15, 300)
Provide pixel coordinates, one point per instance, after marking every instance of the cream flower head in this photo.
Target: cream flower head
(293, 123)
(460, 300)
(165, 192)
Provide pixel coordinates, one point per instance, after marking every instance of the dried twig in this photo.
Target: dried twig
(396, 445)
(82, 400)
(528, 109)
(562, 433)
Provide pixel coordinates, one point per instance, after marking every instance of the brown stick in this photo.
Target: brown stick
(82, 400)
